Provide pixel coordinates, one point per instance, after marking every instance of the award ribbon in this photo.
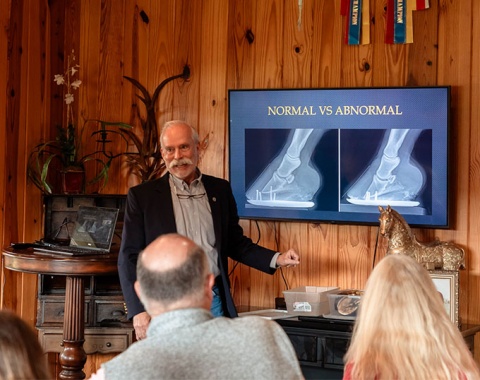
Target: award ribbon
(400, 19)
(358, 21)
(399, 29)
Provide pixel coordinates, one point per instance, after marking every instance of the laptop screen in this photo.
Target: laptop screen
(94, 227)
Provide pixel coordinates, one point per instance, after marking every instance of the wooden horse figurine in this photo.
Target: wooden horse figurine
(435, 255)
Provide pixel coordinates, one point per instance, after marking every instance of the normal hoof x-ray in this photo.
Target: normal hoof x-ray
(290, 179)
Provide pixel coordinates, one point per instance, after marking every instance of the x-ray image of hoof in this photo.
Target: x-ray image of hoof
(289, 180)
(394, 177)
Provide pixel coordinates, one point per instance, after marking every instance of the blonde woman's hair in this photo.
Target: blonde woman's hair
(403, 331)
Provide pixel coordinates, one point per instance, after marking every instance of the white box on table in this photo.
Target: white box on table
(308, 300)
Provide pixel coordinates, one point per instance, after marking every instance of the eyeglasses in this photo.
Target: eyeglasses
(170, 151)
(189, 196)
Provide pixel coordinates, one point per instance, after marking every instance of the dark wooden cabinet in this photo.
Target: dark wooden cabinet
(321, 343)
(107, 329)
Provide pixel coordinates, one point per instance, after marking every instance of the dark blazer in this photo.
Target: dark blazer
(149, 214)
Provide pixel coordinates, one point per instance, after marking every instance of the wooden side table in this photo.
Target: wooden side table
(73, 357)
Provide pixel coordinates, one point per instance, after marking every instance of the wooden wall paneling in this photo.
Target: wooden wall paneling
(388, 62)
(296, 72)
(355, 256)
(72, 44)
(161, 56)
(326, 44)
(422, 53)
(23, 107)
(354, 246)
(160, 48)
(356, 65)
(473, 262)
(110, 79)
(5, 8)
(241, 48)
(239, 273)
(245, 292)
(88, 57)
(213, 86)
(138, 24)
(296, 236)
(269, 32)
(186, 48)
(240, 74)
(33, 118)
(55, 53)
(136, 57)
(321, 259)
(263, 286)
(298, 41)
(12, 91)
(455, 59)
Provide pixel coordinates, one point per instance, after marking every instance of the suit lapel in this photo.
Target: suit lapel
(214, 201)
(164, 196)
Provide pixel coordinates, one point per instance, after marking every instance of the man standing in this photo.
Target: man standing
(195, 205)
(184, 340)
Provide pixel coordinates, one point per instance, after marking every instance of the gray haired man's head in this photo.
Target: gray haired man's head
(173, 273)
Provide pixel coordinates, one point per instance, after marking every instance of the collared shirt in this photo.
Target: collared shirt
(193, 216)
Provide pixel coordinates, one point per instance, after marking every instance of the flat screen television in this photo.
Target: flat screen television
(335, 155)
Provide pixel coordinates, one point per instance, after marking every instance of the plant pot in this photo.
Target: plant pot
(73, 180)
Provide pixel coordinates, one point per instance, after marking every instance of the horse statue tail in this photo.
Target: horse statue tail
(453, 256)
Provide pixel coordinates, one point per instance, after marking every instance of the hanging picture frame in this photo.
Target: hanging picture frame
(447, 284)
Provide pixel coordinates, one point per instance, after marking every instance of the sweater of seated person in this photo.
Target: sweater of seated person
(191, 344)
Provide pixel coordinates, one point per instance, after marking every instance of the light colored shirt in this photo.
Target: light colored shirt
(193, 216)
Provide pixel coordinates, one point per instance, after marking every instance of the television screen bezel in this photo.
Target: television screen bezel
(446, 214)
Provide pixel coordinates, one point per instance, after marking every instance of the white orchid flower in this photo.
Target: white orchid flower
(69, 98)
(76, 84)
(59, 79)
(73, 70)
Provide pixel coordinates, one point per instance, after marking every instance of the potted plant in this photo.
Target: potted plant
(65, 154)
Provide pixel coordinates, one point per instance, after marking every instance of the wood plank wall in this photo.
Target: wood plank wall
(230, 44)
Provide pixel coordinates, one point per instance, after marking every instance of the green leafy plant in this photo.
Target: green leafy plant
(147, 163)
(65, 152)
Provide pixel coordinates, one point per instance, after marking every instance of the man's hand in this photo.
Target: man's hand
(140, 324)
(288, 259)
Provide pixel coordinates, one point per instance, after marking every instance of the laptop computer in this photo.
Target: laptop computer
(93, 232)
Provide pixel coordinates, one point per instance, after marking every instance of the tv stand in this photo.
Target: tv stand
(321, 343)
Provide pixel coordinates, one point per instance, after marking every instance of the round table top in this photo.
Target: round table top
(28, 261)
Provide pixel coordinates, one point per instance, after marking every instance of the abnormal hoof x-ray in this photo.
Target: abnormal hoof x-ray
(393, 177)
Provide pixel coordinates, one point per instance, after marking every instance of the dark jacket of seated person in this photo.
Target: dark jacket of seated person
(184, 341)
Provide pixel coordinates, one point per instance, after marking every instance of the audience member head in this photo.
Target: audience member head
(173, 273)
(403, 331)
(179, 145)
(21, 356)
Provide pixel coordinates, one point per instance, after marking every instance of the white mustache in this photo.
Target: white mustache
(181, 161)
